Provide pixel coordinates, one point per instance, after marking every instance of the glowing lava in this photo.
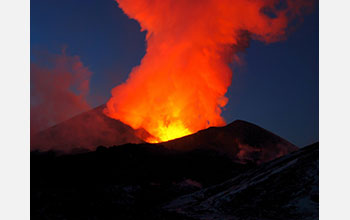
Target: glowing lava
(172, 131)
(180, 85)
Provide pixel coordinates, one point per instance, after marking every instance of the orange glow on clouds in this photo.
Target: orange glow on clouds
(180, 85)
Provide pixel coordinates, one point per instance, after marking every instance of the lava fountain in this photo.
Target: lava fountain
(180, 85)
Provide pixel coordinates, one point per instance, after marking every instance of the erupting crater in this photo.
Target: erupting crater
(179, 88)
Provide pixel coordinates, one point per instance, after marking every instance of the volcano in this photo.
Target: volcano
(242, 141)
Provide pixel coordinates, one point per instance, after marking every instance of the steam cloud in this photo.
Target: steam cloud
(59, 87)
(180, 85)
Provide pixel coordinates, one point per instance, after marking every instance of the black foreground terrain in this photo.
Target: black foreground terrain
(148, 181)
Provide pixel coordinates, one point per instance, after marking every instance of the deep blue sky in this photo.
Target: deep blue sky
(276, 87)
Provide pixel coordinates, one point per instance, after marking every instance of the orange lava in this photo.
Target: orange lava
(180, 85)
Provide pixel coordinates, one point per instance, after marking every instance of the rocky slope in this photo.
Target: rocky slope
(286, 188)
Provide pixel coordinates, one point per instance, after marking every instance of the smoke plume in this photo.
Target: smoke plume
(59, 86)
(180, 85)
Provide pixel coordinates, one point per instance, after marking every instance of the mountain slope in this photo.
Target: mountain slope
(86, 130)
(243, 141)
(286, 188)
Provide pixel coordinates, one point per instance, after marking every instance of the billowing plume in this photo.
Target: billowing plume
(59, 87)
(180, 85)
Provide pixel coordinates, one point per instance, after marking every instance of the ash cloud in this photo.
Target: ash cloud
(180, 85)
(59, 89)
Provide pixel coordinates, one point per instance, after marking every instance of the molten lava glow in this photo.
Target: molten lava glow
(168, 132)
(180, 85)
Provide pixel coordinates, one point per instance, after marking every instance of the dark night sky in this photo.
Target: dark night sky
(275, 88)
